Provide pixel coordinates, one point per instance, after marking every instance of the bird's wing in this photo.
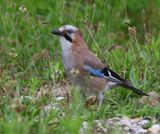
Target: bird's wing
(104, 73)
(94, 67)
(91, 60)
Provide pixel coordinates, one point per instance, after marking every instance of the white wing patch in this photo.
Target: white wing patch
(110, 77)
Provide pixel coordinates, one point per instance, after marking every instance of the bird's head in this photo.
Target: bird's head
(67, 31)
(68, 35)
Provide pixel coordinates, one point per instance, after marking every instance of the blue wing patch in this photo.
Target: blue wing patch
(94, 72)
(105, 73)
(113, 77)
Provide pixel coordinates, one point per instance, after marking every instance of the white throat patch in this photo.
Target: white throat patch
(65, 44)
(67, 56)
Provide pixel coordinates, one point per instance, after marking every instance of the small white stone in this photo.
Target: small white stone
(59, 98)
(104, 129)
(22, 97)
(155, 129)
(97, 121)
(85, 125)
(125, 122)
(141, 131)
(99, 124)
(126, 128)
(143, 123)
(81, 131)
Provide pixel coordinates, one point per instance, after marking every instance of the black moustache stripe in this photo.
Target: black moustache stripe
(67, 37)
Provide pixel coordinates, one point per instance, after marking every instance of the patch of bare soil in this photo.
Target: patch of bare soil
(58, 91)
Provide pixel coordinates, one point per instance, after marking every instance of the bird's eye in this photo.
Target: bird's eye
(69, 31)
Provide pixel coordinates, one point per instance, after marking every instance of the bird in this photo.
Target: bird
(84, 69)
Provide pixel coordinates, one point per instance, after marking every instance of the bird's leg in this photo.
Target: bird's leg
(100, 99)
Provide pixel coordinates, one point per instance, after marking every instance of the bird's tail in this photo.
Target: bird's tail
(136, 90)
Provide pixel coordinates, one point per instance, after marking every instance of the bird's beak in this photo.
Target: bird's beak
(56, 32)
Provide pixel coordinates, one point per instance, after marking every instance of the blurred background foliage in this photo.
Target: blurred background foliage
(26, 43)
(125, 36)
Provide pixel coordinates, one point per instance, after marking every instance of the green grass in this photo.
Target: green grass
(30, 57)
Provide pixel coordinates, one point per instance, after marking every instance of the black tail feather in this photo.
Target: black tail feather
(114, 77)
(137, 91)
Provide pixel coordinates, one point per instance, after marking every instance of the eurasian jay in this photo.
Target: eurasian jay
(84, 68)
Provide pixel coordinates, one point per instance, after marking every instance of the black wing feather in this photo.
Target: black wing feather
(106, 71)
(114, 77)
